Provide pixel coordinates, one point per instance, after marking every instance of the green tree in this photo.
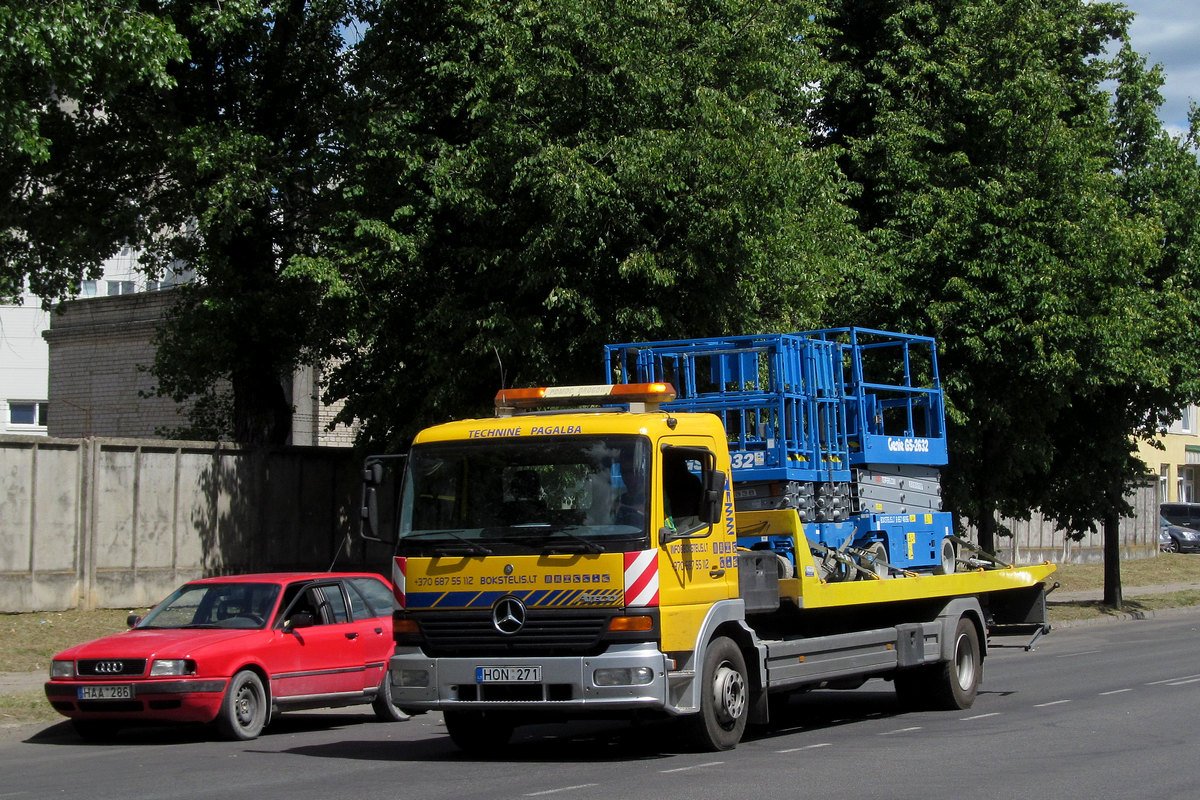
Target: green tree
(1143, 368)
(979, 134)
(60, 63)
(224, 167)
(532, 180)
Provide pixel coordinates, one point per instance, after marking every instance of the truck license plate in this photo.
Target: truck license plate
(508, 674)
(120, 692)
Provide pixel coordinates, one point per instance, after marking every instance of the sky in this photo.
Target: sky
(1167, 32)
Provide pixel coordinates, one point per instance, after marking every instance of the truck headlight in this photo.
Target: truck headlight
(623, 676)
(62, 669)
(172, 666)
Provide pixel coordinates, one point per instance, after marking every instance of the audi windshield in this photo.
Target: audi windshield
(215, 605)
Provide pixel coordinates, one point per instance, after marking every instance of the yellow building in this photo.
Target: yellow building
(1178, 463)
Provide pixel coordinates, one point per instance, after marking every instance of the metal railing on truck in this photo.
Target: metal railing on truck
(806, 406)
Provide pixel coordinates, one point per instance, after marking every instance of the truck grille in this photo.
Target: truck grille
(110, 667)
(545, 633)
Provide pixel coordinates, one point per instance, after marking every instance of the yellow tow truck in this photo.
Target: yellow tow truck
(638, 550)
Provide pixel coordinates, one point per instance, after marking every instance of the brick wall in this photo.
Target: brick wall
(100, 351)
(99, 348)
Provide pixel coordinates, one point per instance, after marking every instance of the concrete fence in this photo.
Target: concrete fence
(119, 523)
(113, 523)
(1036, 540)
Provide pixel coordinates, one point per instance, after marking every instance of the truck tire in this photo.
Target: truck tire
(478, 732)
(958, 680)
(950, 685)
(724, 698)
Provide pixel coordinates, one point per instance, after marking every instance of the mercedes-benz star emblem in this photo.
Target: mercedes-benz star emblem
(508, 615)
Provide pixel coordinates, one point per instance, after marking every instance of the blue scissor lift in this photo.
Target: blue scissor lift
(844, 425)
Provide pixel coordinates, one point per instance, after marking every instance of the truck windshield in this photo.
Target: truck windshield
(578, 494)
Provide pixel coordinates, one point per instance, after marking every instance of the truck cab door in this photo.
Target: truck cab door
(697, 564)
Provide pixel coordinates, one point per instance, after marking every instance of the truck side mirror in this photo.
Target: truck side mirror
(369, 514)
(379, 476)
(714, 495)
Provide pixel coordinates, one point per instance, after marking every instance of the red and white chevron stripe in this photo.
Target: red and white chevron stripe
(641, 578)
(399, 567)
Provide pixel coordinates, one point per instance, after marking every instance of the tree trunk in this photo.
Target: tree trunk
(987, 532)
(1112, 560)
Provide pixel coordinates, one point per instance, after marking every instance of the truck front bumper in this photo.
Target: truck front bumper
(624, 677)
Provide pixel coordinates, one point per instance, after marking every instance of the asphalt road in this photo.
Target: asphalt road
(1095, 712)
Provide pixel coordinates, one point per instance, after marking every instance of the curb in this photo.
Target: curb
(1132, 616)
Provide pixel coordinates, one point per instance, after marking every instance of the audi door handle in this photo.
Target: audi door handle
(351, 635)
(379, 630)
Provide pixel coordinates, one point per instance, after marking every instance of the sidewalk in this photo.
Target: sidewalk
(22, 682)
(1126, 592)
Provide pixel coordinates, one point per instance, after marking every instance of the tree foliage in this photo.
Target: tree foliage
(60, 64)
(982, 138)
(455, 195)
(219, 163)
(536, 179)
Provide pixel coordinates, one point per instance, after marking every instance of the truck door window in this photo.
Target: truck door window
(682, 490)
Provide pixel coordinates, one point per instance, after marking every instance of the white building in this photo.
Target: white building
(24, 354)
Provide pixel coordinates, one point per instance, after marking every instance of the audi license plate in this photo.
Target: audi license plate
(119, 692)
(508, 674)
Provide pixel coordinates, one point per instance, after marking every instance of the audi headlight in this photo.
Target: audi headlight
(62, 669)
(172, 666)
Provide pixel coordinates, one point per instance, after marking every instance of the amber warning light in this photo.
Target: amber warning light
(543, 396)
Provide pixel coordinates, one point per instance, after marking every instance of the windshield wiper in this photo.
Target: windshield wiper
(538, 534)
(587, 544)
(475, 547)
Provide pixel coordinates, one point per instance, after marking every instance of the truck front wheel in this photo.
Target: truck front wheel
(724, 698)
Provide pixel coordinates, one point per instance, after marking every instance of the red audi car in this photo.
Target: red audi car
(234, 652)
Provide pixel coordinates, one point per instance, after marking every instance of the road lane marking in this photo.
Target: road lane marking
(1115, 691)
(694, 766)
(1172, 680)
(562, 789)
(1051, 703)
(1080, 653)
(980, 716)
(901, 730)
(1182, 682)
(806, 747)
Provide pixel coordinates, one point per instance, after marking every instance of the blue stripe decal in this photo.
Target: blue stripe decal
(542, 598)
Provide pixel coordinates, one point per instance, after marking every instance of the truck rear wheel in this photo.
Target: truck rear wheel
(950, 685)
(478, 732)
(724, 698)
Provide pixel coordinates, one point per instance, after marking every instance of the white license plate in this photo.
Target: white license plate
(120, 692)
(508, 674)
